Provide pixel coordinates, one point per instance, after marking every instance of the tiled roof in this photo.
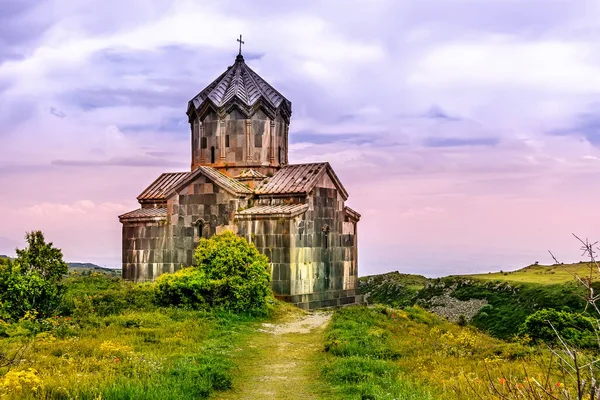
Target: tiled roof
(222, 180)
(299, 178)
(161, 186)
(287, 210)
(240, 83)
(145, 213)
(250, 174)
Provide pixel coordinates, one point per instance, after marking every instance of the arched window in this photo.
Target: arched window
(212, 154)
(279, 155)
(199, 228)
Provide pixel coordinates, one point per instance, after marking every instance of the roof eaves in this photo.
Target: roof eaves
(142, 219)
(301, 209)
(352, 213)
(337, 181)
(211, 174)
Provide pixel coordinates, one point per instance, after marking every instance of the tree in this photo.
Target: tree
(30, 285)
(229, 273)
(42, 257)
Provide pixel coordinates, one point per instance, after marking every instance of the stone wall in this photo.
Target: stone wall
(201, 209)
(271, 236)
(237, 141)
(146, 250)
(323, 247)
(313, 255)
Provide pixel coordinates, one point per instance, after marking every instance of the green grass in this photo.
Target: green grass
(362, 351)
(284, 366)
(542, 274)
(114, 343)
(379, 353)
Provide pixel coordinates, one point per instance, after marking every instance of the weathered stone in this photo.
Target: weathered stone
(312, 251)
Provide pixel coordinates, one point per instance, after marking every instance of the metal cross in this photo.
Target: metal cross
(241, 43)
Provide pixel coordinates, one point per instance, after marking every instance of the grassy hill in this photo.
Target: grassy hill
(542, 274)
(88, 268)
(110, 340)
(497, 303)
(393, 288)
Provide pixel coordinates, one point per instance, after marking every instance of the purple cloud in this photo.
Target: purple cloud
(479, 109)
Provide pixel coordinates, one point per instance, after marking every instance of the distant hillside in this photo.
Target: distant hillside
(87, 268)
(3, 256)
(543, 274)
(497, 303)
(393, 288)
(76, 265)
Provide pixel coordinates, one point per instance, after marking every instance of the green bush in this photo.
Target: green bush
(30, 285)
(102, 295)
(511, 303)
(576, 329)
(229, 274)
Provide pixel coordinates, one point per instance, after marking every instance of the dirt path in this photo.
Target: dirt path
(281, 361)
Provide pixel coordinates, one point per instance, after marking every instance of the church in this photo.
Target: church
(240, 180)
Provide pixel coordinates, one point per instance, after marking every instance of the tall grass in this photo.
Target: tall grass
(380, 353)
(113, 342)
(362, 365)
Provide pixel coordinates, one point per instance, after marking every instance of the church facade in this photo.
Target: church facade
(240, 180)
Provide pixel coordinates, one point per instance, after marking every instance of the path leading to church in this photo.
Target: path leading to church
(281, 361)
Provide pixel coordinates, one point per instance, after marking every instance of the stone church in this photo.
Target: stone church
(240, 180)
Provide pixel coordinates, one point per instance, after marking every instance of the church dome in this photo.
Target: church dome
(241, 88)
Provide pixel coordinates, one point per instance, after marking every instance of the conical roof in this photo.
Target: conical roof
(240, 86)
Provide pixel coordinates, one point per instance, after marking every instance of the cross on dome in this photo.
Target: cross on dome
(241, 43)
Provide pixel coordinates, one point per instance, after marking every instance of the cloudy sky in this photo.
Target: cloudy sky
(466, 131)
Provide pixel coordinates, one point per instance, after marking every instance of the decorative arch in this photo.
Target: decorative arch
(199, 228)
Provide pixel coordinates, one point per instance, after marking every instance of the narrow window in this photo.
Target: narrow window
(212, 154)
(204, 143)
(279, 155)
(325, 231)
(226, 140)
(200, 229)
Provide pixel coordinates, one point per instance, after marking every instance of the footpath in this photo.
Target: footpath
(281, 361)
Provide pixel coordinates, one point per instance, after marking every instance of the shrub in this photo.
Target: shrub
(229, 274)
(31, 285)
(576, 328)
(104, 295)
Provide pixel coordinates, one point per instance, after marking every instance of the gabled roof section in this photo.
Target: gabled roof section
(250, 174)
(223, 181)
(273, 211)
(156, 191)
(242, 86)
(350, 213)
(299, 179)
(144, 214)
